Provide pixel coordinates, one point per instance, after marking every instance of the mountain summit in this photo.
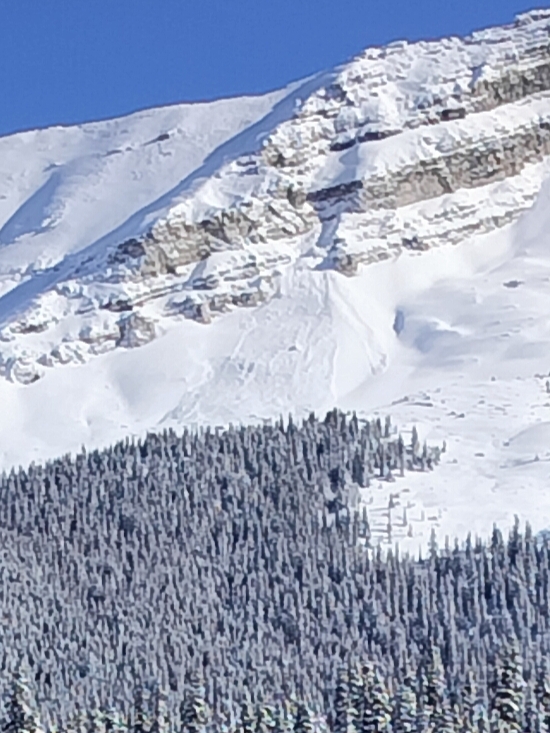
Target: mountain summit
(357, 239)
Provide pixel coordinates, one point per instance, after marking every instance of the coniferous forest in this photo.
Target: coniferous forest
(224, 580)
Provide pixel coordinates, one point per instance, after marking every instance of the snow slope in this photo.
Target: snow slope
(243, 259)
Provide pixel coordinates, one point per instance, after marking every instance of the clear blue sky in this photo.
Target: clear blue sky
(66, 61)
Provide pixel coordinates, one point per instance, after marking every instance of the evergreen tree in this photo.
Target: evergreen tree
(404, 714)
(480, 710)
(401, 455)
(356, 697)
(99, 721)
(303, 721)
(542, 692)
(442, 719)
(377, 705)
(247, 719)
(468, 701)
(113, 721)
(193, 709)
(138, 716)
(160, 722)
(342, 701)
(507, 698)
(266, 719)
(95, 721)
(434, 699)
(481, 723)
(415, 443)
(77, 723)
(20, 715)
(283, 718)
(533, 716)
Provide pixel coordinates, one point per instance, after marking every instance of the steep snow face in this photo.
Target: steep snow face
(373, 238)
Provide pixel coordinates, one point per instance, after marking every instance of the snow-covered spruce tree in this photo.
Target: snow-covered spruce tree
(248, 719)
(468, 697)
(401, 455)
(533, 717)
(102, 720)
(434, 692)
(356, 697)
(404, 713)
(481, 707)
(341, 701)
(283, 718)
(481, 723)
(266, 719)
(415, 447)
(542, 691)
(138, 719)
(442, 718)
(94, 721)
(377, 712)
(474, 714)
(303, 721)
(160, 722)
(77, 723)
(20, 717)
(507, 692)
(114, 721)
(194, 710)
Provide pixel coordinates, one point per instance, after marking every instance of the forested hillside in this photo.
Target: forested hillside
(225, 580)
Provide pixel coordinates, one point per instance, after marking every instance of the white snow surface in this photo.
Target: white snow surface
(471, 360)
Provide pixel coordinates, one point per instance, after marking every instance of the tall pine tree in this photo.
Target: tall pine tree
(20, 715)
(507, 692)
(193, 709)
(377, 712)
(404, 712)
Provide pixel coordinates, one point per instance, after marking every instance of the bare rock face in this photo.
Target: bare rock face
(135, 330)
(347, 263)
(197, 311)
(205, 307)
(24, 371)
(471, 166)
(173, 244)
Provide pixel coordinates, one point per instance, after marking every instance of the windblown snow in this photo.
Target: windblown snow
(375, 238)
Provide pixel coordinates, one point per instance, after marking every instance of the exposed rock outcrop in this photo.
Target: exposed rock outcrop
(135, 330)
(469, 166)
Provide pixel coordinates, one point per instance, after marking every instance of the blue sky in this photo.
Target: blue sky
(67, 61)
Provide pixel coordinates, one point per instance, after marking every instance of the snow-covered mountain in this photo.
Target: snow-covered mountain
(376, 237)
